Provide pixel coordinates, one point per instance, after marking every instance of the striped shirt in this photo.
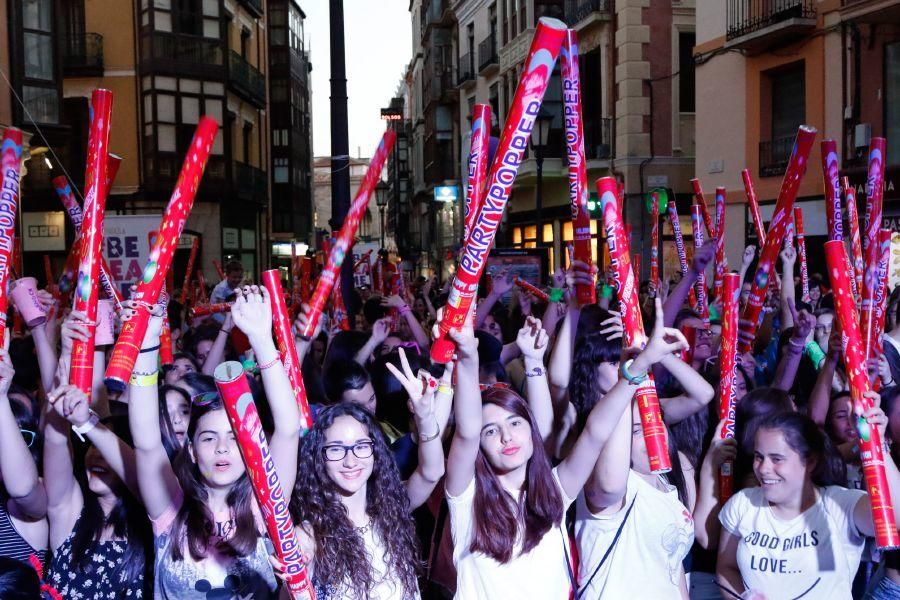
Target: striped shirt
(12, 544)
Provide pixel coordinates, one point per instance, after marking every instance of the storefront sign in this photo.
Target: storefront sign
(446, 193)
(126, 246)
(230, 239)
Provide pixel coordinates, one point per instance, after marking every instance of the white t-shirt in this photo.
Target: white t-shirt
(646, 560)
(814, 555)
(542, 573)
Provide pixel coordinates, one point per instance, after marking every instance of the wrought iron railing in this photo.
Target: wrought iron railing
(83, 52)
(774, 156)
(487, 52)
(246, 79)
(578, 10)
(746, 16)
(466, 68)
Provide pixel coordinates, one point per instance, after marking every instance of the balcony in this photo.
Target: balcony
(440, 87)
(487, 53)
(183, 54)
(578, 11)
(246, 80)
(435, 12)
(254, 6)
(83, 55)
(774, 156)
(598, 139)
(161, 170)
(466, 69)
(250, 184)
(757, 25)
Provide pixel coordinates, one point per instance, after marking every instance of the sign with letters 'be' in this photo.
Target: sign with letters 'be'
(126, 246)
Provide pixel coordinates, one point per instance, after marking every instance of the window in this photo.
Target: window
(788, 101)
(892, 101)
(281, 170)
(686, 41)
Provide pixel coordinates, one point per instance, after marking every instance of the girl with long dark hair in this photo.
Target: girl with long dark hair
(99, 533)
(506, 502)
(354, 508)
(206, 523)
(800, 533)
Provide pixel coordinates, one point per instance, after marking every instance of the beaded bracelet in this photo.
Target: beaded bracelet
(269, 364)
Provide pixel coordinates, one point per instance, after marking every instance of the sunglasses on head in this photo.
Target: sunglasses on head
(29, 436)
(204, 398)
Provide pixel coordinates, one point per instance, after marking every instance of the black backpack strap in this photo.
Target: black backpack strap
(584, 588)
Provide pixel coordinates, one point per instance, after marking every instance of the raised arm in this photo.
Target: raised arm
(697, 391)
(252, 314)
(862, 513)
(467, 409)
(46, 354)
(706, 511)
(406, 313)
(610, 414)
(422, 389)
(788, 293)
(380, 330)
(217, 352)
(18, 472)
(820, 396)
(502, 284)
(747, 260)
(786, 371)
(159, 487)
(677, 297)
(532, 342)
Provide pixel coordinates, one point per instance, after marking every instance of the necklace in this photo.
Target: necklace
(363, 529)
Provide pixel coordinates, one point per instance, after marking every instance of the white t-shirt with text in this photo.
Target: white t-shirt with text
(814, 555)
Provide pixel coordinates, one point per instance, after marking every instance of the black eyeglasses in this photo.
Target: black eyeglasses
(338, 452)
(29, 436)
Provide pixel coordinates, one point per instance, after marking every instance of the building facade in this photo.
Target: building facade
(369, 230)
(763, 71)
(167, 63)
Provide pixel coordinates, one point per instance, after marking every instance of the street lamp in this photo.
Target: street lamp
(539, 134)
(381, 198)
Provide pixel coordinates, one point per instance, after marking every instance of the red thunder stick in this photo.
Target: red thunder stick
(721, 261)
(273, 503)
(859, 266)
(626, 285)
(284, 338)
(578, 185)
(64, 191)
(533, 290)
(680, 250)
(166, 354)
(700, 286)
(48, 275)
(81, 371)
(539, 63)
(477, 164)
(10, 161)
(871, 452)
(801, 250)
(874, 192)
(210, 309)
(113, 161)
(344, 239)
(833, 212)
(636, 266)
(654, 243)
(879, 304)
(780, 218)
(753, 203)
(185, 287)
(218, 266)
(731, 285)
(700, 200)
(201, 286)
(121, 363)
(306, 265)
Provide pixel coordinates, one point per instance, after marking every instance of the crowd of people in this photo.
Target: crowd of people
(518, 470)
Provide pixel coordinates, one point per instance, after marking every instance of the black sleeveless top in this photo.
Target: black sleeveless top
(12, 544)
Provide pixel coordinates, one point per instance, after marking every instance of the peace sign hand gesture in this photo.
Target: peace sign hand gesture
(421, 388)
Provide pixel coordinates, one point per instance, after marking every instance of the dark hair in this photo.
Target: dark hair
(233, 266)
(343, 347)
(203, 332)
(496, 514)
(28, 418)
(18, 581)
(194, 524)
(128, 520)
(373, 310)
(495, 368)
(809, 441)
(748, 412)
(591, 349)
(24, 357)
(182, 356)
(343, 376)
(169, 440)
(339, 546)
(199, 382)
(392, 396)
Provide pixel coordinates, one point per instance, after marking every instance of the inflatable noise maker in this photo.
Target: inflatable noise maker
(477, 164)
(124, 355)
(633, 325)
(273, 503)
(538, 68)
(731, 286)
(341, 245)
(10, 161)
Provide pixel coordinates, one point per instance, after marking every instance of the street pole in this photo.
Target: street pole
(340, 144)
(382, 225)
(539, 196)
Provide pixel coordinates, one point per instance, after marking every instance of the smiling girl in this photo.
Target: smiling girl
(797, 534)
(206, 523)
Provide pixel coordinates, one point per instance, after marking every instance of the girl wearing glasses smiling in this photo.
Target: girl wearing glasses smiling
(206, 523)
(354, 509)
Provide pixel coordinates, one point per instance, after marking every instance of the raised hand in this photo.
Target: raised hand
(664, 341)
(421, 388)
(394, 301)
(748, 256)
(532, 339)
(788, 256)
(71, 403)
(502, 283)
(75, 327)
(381, 329)
(252, 312)
(703, 256)
(612, 327)
(722, 450)
(302, 319)
(6, 372)
(804, 323)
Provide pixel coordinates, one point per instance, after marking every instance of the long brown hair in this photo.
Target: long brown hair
(195, 522)
(496, 514)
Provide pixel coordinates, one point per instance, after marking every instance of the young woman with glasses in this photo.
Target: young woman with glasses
(207, 526)
(23, 501)
(352, 503)
(506, 502)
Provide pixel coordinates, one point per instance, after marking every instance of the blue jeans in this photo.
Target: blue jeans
(885, 589)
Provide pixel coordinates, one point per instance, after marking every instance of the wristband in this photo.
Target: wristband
(536, 372)
(144, 379)
(269, 364)
(814, 352)
(606, 292)
(427, 438)
(557, 294)
(632, 379)
(151, 349)
(405, 310)
(444, 389)
(81, 430)
(225, 331)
